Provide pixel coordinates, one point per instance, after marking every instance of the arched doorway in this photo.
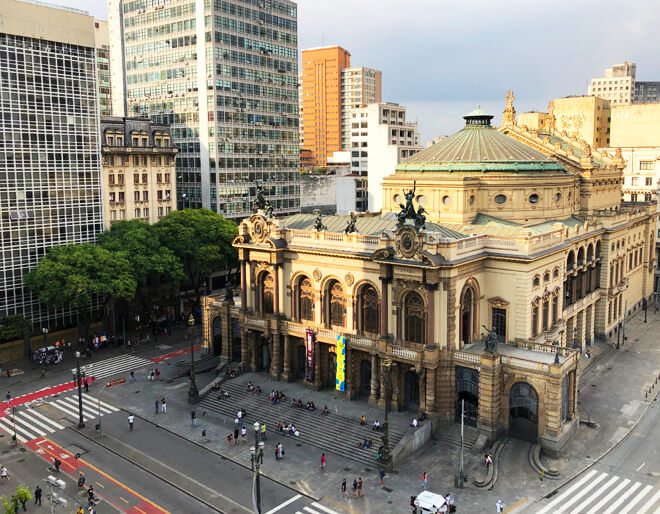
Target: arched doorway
(302, 361)
(467, 395)
(216, 336)
(365, 378)
(523, 411)
(412, 390)
(468, 313)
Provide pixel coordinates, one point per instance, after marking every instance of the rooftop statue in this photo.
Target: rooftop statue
(350, 228)
(318, 221)
(491, 340)
(259, 202)
(408, 211)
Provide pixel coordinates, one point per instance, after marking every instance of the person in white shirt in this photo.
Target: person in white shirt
(500, 506)
(414, 423)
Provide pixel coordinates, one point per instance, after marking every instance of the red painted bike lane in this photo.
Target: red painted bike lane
(106, 487)
(178, 353)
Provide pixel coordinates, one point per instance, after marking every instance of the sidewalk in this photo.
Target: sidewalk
(611, 394)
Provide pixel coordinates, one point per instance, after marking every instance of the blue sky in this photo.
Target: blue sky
(440, 58)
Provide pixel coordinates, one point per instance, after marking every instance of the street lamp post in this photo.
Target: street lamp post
(193, 392)
(44, 331)
(78, 379)
(386, 456)
(257, 458)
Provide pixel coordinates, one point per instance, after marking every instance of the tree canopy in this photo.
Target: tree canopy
(13, 327)
(75, 274)
(201, 239)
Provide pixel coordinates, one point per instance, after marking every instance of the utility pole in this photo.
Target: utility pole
(461, 475)
(257, 457)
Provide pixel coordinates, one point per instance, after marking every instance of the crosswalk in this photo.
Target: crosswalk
(292, 506)
(601, 493)
(30, 423)
(113, 366)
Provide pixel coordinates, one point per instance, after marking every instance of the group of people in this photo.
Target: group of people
(153, 375)
(357, 488)
(366, 444)
(277, 397)
(287, 428)
(252, 388)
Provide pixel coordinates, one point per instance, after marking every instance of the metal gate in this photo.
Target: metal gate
(466, 387)
(523, 411)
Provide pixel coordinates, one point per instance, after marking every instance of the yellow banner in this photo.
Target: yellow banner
(341, 363)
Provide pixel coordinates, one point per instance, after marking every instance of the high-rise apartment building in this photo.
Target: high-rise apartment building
(330, 89)
(381, 137)
(359, 86)
(139, 176)
(322, 107)
(620, 86)
(102, 44)
(50, 169)
(223, 74)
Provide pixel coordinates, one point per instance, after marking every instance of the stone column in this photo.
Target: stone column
(375, 373)
(349, 378)
(490, 395)
(421, 384)
(317, 365)
(430, 391)
(399, 322)
(253, 350)
(430, 319)
(244, 287)
(276, 296)
(286, 373)
(276, 358)
(384, 307)
(245, 351)
(580, 333)
(444, 386)
(592, 324)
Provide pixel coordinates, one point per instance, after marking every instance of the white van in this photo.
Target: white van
(427, 502)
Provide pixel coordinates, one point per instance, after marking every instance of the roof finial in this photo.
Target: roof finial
(509, 117)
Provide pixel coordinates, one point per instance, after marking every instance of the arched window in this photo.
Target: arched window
(580, 257)
(570, 261)
(337, 304)
(369, 310)
(468, 315)
(590, 253)
(267, 293)
(536, 281)
(414, 316)
(598, 250)
(306, 300)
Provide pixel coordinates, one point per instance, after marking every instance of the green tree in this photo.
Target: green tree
(22, 495)
(76, 274)
(201, 239)
(13, 327)
(156, 270)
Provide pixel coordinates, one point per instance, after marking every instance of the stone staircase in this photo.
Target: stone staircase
(331, 433)
(451, 433)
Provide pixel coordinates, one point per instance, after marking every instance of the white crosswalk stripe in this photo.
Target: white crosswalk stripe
(324, 508)
(602, 493)
(29, 424)
(114, 366)
(69, 405)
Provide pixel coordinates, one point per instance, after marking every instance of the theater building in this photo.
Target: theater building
(488, 230)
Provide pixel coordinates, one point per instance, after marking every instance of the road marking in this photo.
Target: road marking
(641, 466)
(636, 499)
(284, 504)
(582, 492)
(622, 498)
(100, 485)
(596, 508)
(650, 503)
(513, 507)
(568, 492)
(123, 499)
(307, 509)
(35, 412)
(323, 508)
(139, 510)
(596, 494)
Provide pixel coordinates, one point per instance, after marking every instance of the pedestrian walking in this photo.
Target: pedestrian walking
(343, 489)
(323, 462)
(236, 432)
(355, 493)
(131, 420)
(382, 477)
(425, 480)
(57, 463)
(193, 417)
(229, 439)
(43, 372)
(277, 451)
(243, 433)
(4, 474)
(239, 415)
(280, 451)
(263, 431)
(86, 386)
(157, 404)
(37, 495)
(499, 506)
(132, 377)
(163, 406)
(8, 397)
(360, 493)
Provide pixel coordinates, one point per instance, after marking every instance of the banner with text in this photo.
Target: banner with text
(341, 363)
(309, 365)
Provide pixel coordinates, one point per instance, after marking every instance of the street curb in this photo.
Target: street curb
(606, 452)
(156, 475)
(238, 463)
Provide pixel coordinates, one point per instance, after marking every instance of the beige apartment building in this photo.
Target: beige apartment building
(360, 86)
(620, 87)
(139, 177)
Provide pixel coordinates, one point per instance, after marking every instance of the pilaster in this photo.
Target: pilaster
(286, 373)
(490, 395)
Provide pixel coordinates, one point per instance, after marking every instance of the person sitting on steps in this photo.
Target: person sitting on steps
(325, 410)
(363, 420)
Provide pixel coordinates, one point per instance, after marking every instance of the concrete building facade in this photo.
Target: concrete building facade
(139, 173)
(360, 86)
(102, 43)
(50, 163)
(224, 76)
(620, 87)
(381, 137)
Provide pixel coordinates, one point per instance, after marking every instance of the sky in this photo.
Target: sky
(440, 58)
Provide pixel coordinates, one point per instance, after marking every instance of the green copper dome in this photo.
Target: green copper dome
(479, 147)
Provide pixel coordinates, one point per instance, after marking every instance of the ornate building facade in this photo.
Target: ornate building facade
(487, 235)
